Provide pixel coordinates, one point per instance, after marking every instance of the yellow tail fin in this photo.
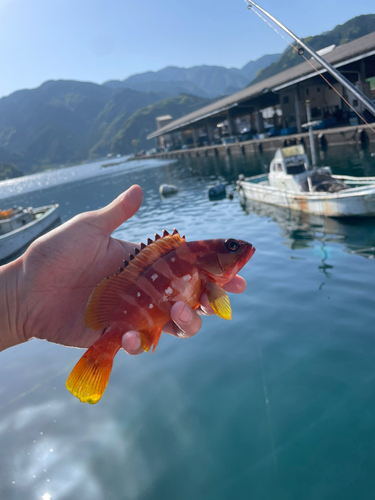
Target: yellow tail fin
(90, 376)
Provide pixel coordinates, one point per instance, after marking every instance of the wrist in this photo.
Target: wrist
(12, 299)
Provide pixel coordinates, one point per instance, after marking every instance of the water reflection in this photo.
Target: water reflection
(262, 407)
(301, 229)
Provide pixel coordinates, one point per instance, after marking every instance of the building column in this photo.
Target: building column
(297, 111)
(259, 121)
(231, 124)
(194, 133)
(362, 80)
(210, 132)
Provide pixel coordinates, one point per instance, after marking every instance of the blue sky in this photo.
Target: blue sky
(94, 40)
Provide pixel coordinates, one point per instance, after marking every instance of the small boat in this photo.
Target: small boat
(293, 184)
(19, 227)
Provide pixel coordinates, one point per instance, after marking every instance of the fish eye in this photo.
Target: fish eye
(232, 245)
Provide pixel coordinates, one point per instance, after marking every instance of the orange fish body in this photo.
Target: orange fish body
(141, 296)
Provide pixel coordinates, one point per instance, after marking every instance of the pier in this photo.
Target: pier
(358, 135)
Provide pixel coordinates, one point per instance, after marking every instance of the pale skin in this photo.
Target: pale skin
(43, 294)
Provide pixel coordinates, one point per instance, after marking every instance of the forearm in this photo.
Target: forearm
(11, 299)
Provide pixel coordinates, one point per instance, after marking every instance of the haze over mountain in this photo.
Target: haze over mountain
(67, 121)
(64, 122)
(204, 81)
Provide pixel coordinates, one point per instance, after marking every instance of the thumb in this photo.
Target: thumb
(121, 209)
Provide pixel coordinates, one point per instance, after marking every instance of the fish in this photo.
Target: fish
(140, 297)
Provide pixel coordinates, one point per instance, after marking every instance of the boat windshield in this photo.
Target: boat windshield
(295, 169)
(293, 151)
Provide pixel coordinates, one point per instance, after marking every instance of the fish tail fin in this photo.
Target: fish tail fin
(90, 376)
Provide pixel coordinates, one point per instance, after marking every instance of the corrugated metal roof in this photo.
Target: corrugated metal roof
(341, 55)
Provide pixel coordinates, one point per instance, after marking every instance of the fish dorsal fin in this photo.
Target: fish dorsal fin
(108, 295)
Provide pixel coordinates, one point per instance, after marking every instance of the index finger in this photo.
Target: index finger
(236, 285)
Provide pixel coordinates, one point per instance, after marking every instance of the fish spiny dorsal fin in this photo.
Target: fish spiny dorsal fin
(157, 237)
(107, 297)
(174, 231)
(165, 233)
(142, 246)
(136, 251)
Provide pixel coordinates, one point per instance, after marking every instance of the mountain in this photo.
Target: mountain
(162, 88)
(67, 121)
(49, 124)
(64, 121)
(122, 104)
(142, 122)
(8, 171)
(251, 69)
(203, 81)
(342, 33)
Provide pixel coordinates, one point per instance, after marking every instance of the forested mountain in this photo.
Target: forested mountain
(9, 171)
(49, 124)
(342, 33)
(68, 121)
(204, 81)
(142, 122)
(121, 106)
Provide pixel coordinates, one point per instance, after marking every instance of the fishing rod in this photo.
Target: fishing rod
(303, 46)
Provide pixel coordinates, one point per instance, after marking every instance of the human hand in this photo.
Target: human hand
(56, 275)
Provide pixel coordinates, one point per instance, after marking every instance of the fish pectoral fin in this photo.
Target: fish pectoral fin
(90, 376)
(219, 300)
(150, 338)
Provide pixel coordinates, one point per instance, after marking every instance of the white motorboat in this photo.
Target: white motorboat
(292, 183)
(19, 227)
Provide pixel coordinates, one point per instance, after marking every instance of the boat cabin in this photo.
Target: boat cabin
(290, 169)
(14, 218)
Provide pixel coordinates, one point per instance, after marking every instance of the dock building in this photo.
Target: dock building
(276, 106)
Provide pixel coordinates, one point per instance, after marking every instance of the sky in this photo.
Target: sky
(100, 40)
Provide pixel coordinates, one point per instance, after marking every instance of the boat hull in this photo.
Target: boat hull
(14, 241)
(353, 202)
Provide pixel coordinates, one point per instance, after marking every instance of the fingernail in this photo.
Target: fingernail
(186, 314)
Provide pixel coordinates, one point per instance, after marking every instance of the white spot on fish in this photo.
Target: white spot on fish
(138, 294)
(173, 259)
(125, 312)
(187, 277)
(150, 306)
(154, 276)
(168, 291)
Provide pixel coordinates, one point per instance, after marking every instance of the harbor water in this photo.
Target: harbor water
(277, 404)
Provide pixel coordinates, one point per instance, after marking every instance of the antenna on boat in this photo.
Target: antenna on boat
(303, 46)
(310, 125)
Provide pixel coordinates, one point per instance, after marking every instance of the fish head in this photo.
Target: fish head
(221, 259)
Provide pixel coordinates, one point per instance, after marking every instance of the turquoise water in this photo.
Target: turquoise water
(279, 403)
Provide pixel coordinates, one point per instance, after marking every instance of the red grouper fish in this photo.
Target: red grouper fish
(140, 298)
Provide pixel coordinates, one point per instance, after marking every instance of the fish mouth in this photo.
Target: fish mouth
(248, 253)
